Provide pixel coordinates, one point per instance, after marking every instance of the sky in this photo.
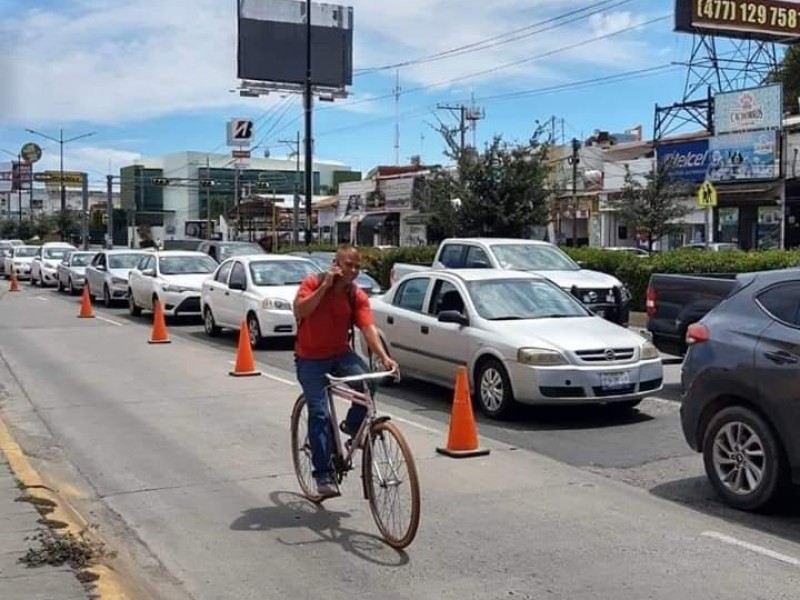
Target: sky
(148, 77)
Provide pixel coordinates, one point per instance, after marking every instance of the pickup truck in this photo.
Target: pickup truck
(676, 301)
(603, 294)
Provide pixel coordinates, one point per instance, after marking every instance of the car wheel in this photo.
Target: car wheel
(132, 308)
(71, 287)
(59, 286)
(210, 326)
(255, 332)
(743, 458)
(106, 297)
(493, 388)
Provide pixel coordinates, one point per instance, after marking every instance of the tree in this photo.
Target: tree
(788, 73)
(654, 205)
(499, 192)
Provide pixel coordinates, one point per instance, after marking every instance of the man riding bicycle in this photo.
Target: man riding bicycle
(327, 308)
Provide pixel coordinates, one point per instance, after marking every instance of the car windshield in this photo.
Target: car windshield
(228, 250)
(81, 260)
(533, 257)
(25, 251)
(56, 253)
(280, 272)
(123, 261)
(185, 265)
(520, 299)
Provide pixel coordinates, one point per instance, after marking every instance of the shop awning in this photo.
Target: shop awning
(373, 221)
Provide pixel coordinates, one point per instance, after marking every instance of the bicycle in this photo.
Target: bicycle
(384, 474)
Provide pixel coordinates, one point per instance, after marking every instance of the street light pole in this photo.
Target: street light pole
(296, 201)
(309, 107)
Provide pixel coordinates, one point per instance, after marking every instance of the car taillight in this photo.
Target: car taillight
(650, 301)
(697, 333)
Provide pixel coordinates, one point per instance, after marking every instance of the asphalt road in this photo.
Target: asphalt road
(187, 471)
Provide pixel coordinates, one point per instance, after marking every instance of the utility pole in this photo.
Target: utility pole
(84, 209)
(110, 209)
(296, 204)
(208, 198)
(396, 92)
(308, 101)
(574, 160)
(464, 114)
(236, 198)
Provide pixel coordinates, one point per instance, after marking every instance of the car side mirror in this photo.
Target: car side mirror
(237, 285)
(453, 316)
(149, 273)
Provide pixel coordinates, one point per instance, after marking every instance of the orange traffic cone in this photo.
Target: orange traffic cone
(462, 440)
(13, 286)
(245, 363)
(86, 305)
(159, 334)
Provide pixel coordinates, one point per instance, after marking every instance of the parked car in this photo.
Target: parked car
(221, 250)
(522, 338)
(19, 260)
(673, 302)
(256, 288)
(5, 252)
(603, 294)
(173, 277)
(323, 260)
(71, 271)
(640, 252)
(44, 266)
(741, 389)
(712, 246)
(107, 274)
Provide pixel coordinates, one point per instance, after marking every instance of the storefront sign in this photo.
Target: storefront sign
(735, 157)
(748, 110)
(688, 161)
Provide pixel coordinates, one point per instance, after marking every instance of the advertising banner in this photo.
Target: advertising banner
(688, 160)
(752, 155)
(748, 110)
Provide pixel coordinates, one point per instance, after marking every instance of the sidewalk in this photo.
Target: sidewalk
(18, 520)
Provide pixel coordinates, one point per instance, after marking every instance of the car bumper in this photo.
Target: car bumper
(181, 303)
(48, 277)
(22, 271)
(277, 323)
(572, 384)
(118, 291)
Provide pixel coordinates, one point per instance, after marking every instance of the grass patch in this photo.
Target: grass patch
(57, 548)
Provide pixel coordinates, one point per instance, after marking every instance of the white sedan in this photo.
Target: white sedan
(173, 277)
(18, 260)
(259, 288)
(44, 266)
(107, 274)
(522, 338)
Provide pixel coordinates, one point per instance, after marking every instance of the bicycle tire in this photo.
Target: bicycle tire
(301, 451)
(406, 535)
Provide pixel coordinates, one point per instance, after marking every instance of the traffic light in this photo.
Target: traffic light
(206, 182)
(160, 181)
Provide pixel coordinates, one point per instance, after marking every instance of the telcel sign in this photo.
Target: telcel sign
(768, 20)
(688, 160)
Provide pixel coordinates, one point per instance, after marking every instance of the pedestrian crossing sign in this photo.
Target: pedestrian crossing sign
(707, 195)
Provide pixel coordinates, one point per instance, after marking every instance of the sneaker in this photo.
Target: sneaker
(327, 489)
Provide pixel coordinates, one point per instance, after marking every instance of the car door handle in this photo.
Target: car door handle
(424, 329)
(781, 357)
(390, 320)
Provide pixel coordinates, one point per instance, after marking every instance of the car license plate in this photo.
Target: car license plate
(615, 381)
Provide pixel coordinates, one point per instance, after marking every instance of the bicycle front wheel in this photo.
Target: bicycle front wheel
(392, 485)
(301, 450)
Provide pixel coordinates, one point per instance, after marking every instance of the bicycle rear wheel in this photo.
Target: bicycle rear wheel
(301, 450)
(392, 485)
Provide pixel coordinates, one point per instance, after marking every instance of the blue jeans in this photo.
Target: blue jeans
(311, 375)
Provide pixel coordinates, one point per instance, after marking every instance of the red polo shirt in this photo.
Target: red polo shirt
(323, 334)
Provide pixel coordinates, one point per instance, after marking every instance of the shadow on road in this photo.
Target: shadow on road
(697, 494)
(291, 511)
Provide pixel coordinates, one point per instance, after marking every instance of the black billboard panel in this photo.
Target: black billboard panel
(272, 42)
(766, 20)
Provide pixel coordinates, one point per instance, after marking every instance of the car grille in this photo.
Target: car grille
(595, 296)
(189, 305)
(561, 392)
(620, 391)
(606, 355)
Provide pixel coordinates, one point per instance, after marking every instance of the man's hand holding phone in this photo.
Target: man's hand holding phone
(331, 276)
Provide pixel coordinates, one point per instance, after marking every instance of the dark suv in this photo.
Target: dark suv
(741, 389)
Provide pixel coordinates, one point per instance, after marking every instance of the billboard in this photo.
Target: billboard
(748, 110)
(688, 160)
(6, 177)
(752, 155)
(767, 20)
(272, 42)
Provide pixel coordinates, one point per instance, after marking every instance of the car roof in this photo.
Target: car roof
(469, 275)
(125, 251)
(503, 241)
(168, 253)
(57, 245)
(269, 257)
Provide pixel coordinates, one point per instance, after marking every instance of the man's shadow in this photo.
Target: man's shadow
(291, 511)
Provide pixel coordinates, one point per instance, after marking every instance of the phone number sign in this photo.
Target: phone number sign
(769, 20)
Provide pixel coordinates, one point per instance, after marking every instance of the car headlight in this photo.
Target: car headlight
(168, 287)
(541, 357)
(275, 304)
(649, 351)
(118, 281)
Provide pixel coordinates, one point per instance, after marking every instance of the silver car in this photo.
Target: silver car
(522, 338)
(72, 270)
(107, 274)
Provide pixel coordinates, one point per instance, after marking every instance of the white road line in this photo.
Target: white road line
(109, 321)
(414, 424)
(42, 298)
(286, 381)
(752, 547)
